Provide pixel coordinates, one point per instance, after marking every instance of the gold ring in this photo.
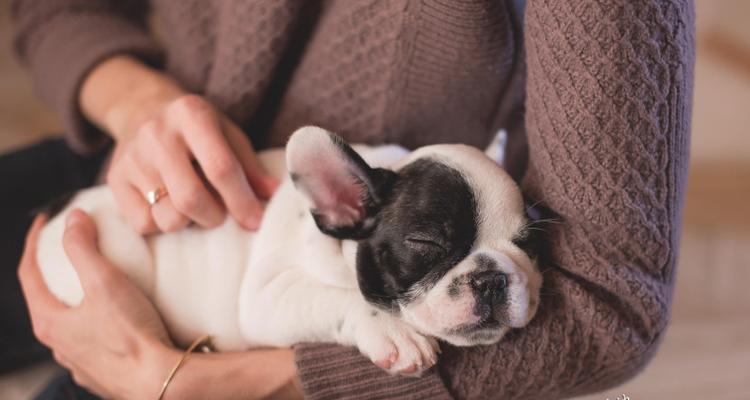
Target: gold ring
(153, 196)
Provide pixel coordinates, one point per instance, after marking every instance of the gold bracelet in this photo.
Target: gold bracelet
(204, 342)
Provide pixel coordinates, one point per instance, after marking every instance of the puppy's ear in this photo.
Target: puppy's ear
(344, 192)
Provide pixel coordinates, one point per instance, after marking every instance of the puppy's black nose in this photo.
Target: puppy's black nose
(489, 287)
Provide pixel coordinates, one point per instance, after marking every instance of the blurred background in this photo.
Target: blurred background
(706, 352)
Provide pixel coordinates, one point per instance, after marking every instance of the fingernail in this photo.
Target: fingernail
(72, 220)
(253, 223)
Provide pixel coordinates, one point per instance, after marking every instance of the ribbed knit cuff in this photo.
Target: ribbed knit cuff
(337, 372)
(66, 47)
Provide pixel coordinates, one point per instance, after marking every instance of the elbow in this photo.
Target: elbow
(624, 359)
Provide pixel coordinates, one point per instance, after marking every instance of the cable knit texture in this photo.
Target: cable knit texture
(605, 87)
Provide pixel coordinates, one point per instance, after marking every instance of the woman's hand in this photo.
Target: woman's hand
(166, 138)
(111, 340)
(115, 344)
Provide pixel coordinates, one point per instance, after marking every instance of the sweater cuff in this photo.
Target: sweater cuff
(63, 52)
(336, 372)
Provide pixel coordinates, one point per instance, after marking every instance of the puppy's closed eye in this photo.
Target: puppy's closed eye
(423, 243)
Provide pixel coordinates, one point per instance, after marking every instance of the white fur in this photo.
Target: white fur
(500, 208)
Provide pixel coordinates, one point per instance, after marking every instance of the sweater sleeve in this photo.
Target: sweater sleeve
(61, 41)
(607, 117)
(608, 109)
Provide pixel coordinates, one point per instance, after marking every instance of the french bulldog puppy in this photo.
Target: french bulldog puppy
(375, 247)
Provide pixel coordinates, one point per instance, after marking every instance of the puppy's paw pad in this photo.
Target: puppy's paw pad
(386, 363)
(409, 370)
(396, 347)
(416, 354)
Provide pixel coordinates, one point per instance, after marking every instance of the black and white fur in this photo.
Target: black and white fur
(374, 247)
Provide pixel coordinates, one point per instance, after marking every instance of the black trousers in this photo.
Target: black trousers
(31, 178)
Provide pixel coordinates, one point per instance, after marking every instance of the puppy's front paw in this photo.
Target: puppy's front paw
(395, 345)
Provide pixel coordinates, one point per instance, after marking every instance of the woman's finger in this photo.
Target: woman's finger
(136, 208)
(188, 194)
(131, 203)
(166, 216)
(202, 131)
(261, 181)
(144, 178)
(80, 244)
(43, 306)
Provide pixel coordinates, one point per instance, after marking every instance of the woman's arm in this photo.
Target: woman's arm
(162, 133)
(127, 353)
(87, 59)
(607, 118)
(61, 41)
(256, 374)
(120, 94)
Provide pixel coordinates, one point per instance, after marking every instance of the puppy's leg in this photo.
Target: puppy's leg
(392, 344)
(293, 307)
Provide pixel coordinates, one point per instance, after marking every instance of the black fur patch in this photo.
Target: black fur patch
(434, 205)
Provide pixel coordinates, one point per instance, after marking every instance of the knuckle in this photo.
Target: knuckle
(173, 223)
(141, 221)
(58, 358)
(107, 279)
(150, 128)
(42, 329)
(190, 198)
(102, 281)
(221, 168)
(149, 136)
(77, 379)
(113, 176)
(190, 103)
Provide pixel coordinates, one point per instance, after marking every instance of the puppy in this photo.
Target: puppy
(373, 247)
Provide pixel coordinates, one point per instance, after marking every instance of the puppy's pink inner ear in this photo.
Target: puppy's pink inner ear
(339, 199)
(334, 179)
(341, 205)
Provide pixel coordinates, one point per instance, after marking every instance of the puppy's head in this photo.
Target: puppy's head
(440, 237)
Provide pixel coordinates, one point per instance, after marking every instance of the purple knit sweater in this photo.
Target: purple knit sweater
(596, 96)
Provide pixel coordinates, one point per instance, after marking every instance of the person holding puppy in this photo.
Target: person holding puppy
(595, 98)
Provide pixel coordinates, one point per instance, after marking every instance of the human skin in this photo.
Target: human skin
(127, 353)
(161, 134)
(114, 343)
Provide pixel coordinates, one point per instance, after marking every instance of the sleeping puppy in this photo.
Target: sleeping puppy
(373, 247)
